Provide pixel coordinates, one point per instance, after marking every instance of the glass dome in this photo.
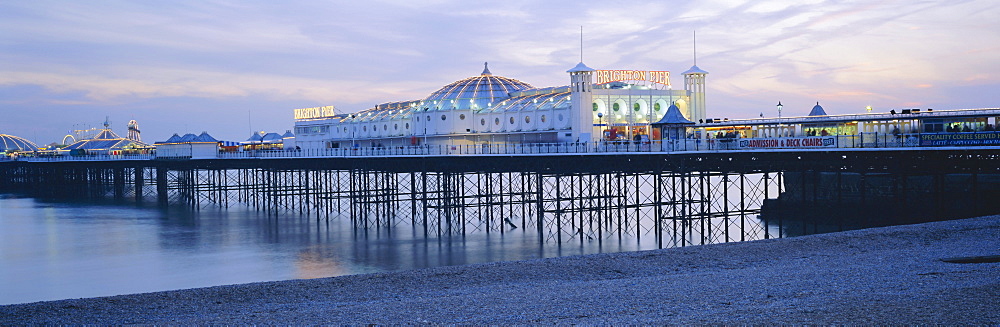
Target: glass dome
(535, 102)
(478, 92)
(13, 143)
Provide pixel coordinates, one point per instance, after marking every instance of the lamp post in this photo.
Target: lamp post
(779, 109)
(353, 127)
(600, 125)
(868, 109)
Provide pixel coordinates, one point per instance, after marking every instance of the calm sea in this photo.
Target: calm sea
(61, 250)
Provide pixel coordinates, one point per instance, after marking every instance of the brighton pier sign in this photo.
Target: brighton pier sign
(317, 112)
(605, 76)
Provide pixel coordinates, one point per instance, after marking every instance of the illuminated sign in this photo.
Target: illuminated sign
(317, 112)
(604, 76)
(980, 138)
(789, 142)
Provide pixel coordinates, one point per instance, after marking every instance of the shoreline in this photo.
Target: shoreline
(880, 275)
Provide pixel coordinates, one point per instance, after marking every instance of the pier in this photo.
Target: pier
(677, 198)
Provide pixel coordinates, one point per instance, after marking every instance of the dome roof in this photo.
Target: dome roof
(817, 110)
(673, 117)
(580, 68)
(694, 70)
(474, 92)
(14, 143)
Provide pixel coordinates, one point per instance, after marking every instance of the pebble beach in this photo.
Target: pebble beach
(891, 275)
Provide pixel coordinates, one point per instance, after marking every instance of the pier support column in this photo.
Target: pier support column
(161, 186)
(119, 183)
(137, 178)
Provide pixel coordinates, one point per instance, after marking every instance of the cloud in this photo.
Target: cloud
(150, 82)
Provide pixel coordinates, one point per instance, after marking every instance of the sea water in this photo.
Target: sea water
(62, 250)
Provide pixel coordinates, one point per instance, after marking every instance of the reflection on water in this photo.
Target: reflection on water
(51, 251)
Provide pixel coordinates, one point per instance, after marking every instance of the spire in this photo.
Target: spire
(580, 67)
(486, 69)
(694, 68)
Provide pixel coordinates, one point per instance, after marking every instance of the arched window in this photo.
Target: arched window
(615, 107)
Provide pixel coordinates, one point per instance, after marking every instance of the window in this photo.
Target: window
(595, 106)
(656, 106)
(461, 117)
(395, 127)
(543, 118)
(482, 122)
(636, 106)
(511, 120)
(616, 107)
(560, 117)
(527, 120)
(407, 125)
(496, 121)
(443, 117)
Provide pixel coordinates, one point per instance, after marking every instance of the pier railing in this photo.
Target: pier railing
(828, 142)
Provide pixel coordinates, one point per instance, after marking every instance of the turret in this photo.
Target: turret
(694, 84)
(582, 98)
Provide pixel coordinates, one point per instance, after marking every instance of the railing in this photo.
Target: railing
(92, 157)
(863, 140)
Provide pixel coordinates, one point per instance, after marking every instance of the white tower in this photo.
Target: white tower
(694, 84)
(582, 99)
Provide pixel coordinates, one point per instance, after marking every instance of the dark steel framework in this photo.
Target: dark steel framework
(677, 200)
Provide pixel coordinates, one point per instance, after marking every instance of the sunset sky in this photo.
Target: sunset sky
(229, 67)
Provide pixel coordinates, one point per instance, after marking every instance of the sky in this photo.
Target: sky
(232, 67)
